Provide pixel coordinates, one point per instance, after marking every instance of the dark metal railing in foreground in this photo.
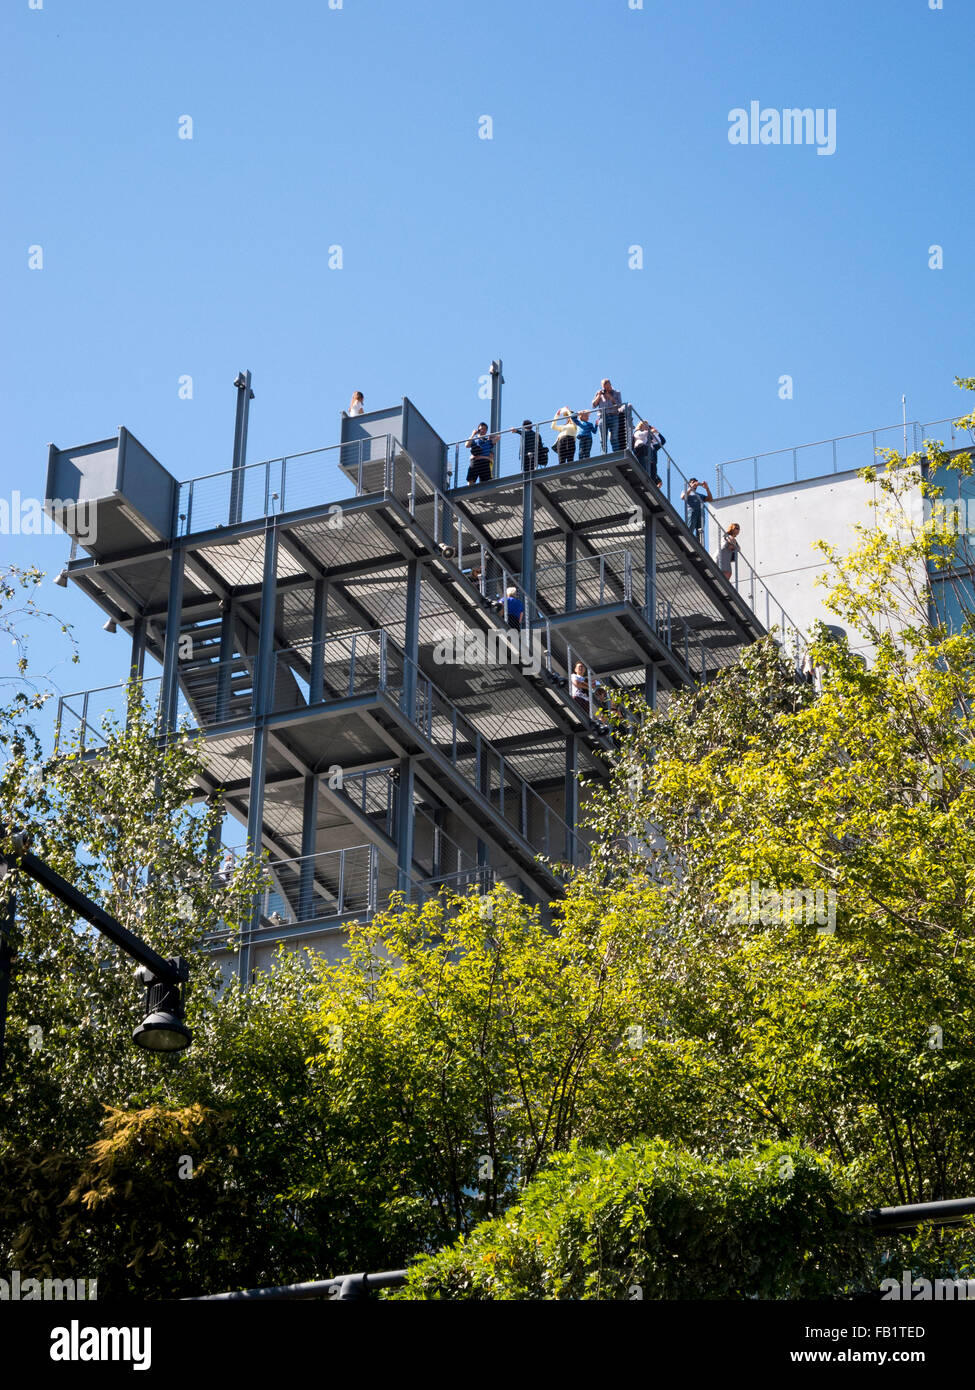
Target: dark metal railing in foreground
(347, 1288)
(344, 1288)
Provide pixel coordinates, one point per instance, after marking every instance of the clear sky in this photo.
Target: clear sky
(358, 127)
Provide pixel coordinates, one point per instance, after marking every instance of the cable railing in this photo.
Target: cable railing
(370, 662)
(495, 583)
(83, 714)
(373, 793)
(334, 883)
(593, 580)
(275, 486)
(482, 765)
(616, 431)
(538, 445)
(825, 456)
(354, 881)
(710, 531)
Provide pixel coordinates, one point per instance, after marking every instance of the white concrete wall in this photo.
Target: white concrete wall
(779, 526)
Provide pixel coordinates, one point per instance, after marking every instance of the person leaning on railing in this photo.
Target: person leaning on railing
(566, 430)
(645, 450)
(533, 452)
(579, 690)
(655, 442)
(587, 429)
(729, 549)
(481, 445)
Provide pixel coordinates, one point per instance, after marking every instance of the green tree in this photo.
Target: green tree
(95, 1133)
(855, 1042)
(650, 1221)
(465, 1042)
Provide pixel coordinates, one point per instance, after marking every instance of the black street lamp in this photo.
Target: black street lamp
(162, 1029)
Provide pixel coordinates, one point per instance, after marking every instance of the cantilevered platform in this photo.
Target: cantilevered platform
(382, 669)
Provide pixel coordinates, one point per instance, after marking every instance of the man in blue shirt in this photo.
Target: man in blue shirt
(587, 429)
(515, 607)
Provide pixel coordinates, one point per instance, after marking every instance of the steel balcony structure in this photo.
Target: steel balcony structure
(337, 626)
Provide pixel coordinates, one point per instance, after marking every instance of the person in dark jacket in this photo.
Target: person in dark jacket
(655, 443)
(534, 454)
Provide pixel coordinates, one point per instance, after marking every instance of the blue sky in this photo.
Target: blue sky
(358, 127)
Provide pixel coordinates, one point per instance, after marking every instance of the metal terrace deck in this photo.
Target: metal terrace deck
(300, 609)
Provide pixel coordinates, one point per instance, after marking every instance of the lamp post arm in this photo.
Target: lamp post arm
(127, 941)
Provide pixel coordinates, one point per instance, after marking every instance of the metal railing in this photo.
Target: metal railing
(596, 580)
(825, 456)
(278, 485)
(370, 662)
(744, 578)
(482, 765)
(82, 714)
(355, 881)
(617, 433)
(539, 445)
(333, 883)
(496, 584)
(373, 793)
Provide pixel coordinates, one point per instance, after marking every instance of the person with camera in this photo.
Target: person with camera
(693, 498)
(609, 403)
(566, 430)
(481, 445)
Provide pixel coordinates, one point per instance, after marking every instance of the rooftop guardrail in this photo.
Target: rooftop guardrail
(823, 457)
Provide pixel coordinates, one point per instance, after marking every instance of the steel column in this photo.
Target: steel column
(309, 834)
(570, 571)
(137, 661)
(174, 609)
(572, 797)
(244, 397)
(224, 659)
(404, 825)
(316, 681)
(412, 638)
(263, 702)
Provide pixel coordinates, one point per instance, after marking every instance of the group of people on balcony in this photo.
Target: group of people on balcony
(573, 429)
(577, 429)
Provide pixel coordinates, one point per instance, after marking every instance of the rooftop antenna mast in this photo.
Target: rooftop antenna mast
(245, 395)
(497, 381)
